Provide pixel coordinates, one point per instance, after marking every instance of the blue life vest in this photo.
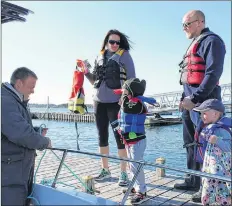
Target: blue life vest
(224, 122)
(132, 122)
(131, 126)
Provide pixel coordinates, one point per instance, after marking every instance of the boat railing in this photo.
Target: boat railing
(141, 164)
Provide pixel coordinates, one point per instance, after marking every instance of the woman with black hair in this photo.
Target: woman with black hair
(112, 68)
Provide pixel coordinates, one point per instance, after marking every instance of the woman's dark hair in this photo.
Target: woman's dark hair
(124, 40)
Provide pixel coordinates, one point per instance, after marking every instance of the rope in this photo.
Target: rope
(73, 173)
(49, 181)
(33, 187)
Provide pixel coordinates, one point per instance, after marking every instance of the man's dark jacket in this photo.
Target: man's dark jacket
(19, 140)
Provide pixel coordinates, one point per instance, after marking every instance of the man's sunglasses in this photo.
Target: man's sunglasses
(114, 42)
(187, 24)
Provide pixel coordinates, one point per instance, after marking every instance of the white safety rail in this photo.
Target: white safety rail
(170, 101)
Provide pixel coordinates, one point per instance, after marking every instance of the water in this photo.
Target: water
(164, 141)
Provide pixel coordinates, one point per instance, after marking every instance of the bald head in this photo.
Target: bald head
(193, 23)
(197, 14)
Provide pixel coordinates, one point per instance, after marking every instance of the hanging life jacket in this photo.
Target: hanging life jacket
(202, 136)
(76, 102)
(192, 67)
(112, 71)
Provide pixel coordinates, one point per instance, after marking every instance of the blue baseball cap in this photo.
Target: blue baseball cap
(210, 104)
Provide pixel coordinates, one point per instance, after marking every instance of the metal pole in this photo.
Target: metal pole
(192, 172)
(59, 169)
(132, 184)
(47, 106)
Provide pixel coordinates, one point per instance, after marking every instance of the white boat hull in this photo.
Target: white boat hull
(62, 196)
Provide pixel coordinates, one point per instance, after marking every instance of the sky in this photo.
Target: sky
(59, 32)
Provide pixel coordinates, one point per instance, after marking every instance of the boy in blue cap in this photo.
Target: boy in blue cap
(215, 150)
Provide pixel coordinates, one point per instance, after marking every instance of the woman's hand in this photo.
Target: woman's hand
(84, 65)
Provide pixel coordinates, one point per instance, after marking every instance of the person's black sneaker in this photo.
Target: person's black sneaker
(185, 186)
(197, 196)
(132, 192)
(138, 198)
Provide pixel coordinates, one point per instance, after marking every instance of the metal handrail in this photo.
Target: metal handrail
(140, 166)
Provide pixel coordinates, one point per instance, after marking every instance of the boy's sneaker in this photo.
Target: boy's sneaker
(104, 174)
(138, 198)
(123, 180)
(132, 192)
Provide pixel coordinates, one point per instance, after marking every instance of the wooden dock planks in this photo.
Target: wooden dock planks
(160, 190)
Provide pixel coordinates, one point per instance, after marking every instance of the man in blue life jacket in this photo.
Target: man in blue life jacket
(201, 69)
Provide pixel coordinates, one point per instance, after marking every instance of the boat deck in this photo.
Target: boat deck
(160, 189)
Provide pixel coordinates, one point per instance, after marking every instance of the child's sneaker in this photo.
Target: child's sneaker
(132, 192)
(123, 180)
(104, 174)
(138, 198)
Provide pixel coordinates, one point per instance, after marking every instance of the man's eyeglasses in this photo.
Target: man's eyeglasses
(114, 42)
(187, 24)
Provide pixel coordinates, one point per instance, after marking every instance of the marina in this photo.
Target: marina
(70, 117)
(67, 172)
(152, 120)
(80, 168)
(162, 121)
(160, 189)
(169, 105)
